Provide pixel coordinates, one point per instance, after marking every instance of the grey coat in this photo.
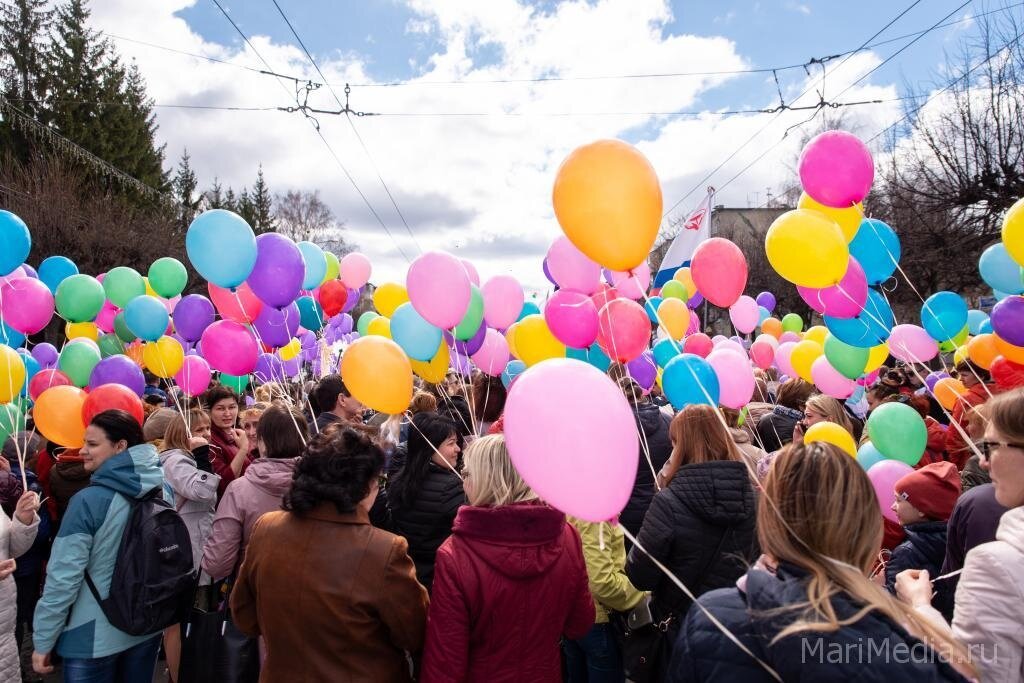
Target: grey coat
(194, 495)
(15, 540)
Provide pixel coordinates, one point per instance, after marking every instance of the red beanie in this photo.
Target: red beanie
(933, 489)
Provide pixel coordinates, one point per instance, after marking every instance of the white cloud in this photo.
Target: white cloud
(798, 7)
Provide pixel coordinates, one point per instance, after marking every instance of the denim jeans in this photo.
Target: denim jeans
(594, 658)
(134, 665)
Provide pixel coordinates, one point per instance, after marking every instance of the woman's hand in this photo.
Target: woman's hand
(196, 441)
(241, 440)
(7, 568)
(914, 587)
(41, 663)
(26, 508)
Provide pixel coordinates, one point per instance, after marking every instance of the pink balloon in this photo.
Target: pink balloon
(632, 284)
(26, 304)
(105, 318)
(194, 376)
(503, 301)
(735, 377)
(869, 379)
(15, 274)
(241, 305)
(471, 272)
(836, 169)
(493, 354)
(572, 318)
(732, 345)
(624, 330)
(698, 344)
(44, 379)
(354, 270)
(585, 470)
(772, 341)
(439, 288)
(744, 314)
(843, 300)
(693, 326)
(789, 337)
(604, 295)
(719, 270)
(830, 381)
(782, 355)
(762, 353)
(883, 476)
(229, 347)
(911, 344)
(571, 269)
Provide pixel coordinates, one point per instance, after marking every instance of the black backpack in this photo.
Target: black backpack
(154, 580)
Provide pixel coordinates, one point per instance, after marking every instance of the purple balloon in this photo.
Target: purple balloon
(346, 324)
(292, 367)
(276, 327)
(30, 271)
(933, 378)
(118, 369)
(696, 300)
(193, 314)
(460, 364)
(45, 354)
(1008, 320)
(643, 369)
(351, 299)
(269, 368)
(766, 299)
(468, 347)
(277, 276)
(547, 273)
(331, 336)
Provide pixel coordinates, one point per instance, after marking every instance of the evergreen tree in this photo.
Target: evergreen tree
(131, 141)
(23, 25)
(230, 201)
(215, 196)
(185, 184)
(263, 210)
(74, 77)
(245, 207)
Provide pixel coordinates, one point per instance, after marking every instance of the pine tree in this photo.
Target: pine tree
(263, 210)
(144, 159)
(230, 201)
(23, 28)
(245, 207)
(185, 184)
(215, 196)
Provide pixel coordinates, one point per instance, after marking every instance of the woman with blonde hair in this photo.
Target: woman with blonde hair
(509, 582)
(819, 525)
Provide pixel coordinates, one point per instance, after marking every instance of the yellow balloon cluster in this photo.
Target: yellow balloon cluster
(163, 357)
(388, 297)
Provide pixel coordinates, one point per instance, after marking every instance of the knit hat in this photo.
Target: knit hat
(933, 489)
(28, 443)
(157, 423)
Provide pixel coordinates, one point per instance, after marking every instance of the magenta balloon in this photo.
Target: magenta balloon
(26, 304)
(693, 326)
(698, 344)
(911, 344)
(277, 327)
(830, 381)
(279, 271)
(105, 318)
(571, 268)
(354, 270)
(836, 169)
(719, 270)
(572, 318)
(493, 354)
(883, 476)
(844, 300)
(782, 361)
(735, 376)
(744, 314)
(194, 376)
(439, 288)
(633, 283)
(503, 300)
(192, 316)
(624, 330)
(229, 347)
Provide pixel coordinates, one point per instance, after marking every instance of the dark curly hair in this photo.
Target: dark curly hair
(337, 467)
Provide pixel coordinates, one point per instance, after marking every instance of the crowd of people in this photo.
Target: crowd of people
(354, 546)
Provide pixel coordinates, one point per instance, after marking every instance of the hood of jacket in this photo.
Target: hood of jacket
(517, 541)
(1011, 528)
(72, 469)
(650, 418)
(272, 475)
(168, 454)
(718, 492)
(132, 473)
(929, 539)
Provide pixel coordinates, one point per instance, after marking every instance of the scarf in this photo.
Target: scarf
(223, 445)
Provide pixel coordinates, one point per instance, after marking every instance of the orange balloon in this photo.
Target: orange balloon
(134, 351)
(607, 199)
(1008, 350)
(378, 373)
(58, 415)
(947, 390)
(982, 350)
(772, 326)
(683, 275)
(674, 317)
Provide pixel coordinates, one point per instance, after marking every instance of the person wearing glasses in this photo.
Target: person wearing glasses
(989, 603)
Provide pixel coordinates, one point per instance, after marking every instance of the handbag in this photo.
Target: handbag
(213, 650)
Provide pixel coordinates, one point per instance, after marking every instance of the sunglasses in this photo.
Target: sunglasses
(986, 448)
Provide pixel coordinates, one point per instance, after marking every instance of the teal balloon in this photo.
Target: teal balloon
(868, 328)
(146, 317)
(77, 360)
(877, 249)
(664, 351)
(110, 345)
(168, 277)
(529, 308)
(651, 307)
(418, 338)
(513, 370)
(944, 315)
(15, 242)
(122, 284)
(471, 322)
(898, 432)
(315, 262)
(10, 336)
(121, 329)
(762, 314)
(868, 455)
(55, 269)
(1000, 271)
(363, 324)
(976, 320)
(221, 247)
(848, 360)
(238, 384)
(598, 358)
(311, 315)
(690, 380)
(79, 298)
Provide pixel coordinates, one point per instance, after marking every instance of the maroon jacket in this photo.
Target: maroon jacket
(508, 584)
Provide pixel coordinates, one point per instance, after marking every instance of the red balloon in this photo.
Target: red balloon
(1006, 373)
(624, 330)
(112, 397)
(699, 344)
(333, 296)
(44, 379)
(602, 296)
(242, 305)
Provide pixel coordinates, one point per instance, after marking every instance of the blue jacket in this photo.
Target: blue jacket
(88, 539)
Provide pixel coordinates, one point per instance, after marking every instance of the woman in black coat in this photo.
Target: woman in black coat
(653, 427)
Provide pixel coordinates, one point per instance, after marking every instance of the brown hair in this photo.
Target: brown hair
(177, 433)
(1006, 412)
(488, 398)
(699, 436)
(282, 429)
(423, 402)
(793, 393)
(832, 409)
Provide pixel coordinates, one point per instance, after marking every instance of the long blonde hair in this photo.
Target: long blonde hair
(495, 481)
(832, 409)
(177, 434)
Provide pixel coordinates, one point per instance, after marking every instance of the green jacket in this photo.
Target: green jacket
(606, 568)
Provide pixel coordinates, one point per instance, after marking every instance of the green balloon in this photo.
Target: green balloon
(77, 361)
(791, 322)
(848, 360)
(79, 298)
(122, 284)
(168, 277)
(674, 289)
(333, 266)
(470, 324)
(121, 329)
(12, 420)
(237, 383)
(951, 345)
(898, 432)
(363, 325)
(110, 345)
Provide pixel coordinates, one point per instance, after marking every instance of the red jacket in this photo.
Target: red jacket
(957, 449)
(508, 584)
(936, 447)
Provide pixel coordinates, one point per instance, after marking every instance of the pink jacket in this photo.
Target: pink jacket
(245, 501)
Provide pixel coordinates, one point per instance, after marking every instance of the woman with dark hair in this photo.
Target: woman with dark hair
(425, 494)
(67, 617)
(488, 398)
(229, 446)
(775, 429)
(354, 608)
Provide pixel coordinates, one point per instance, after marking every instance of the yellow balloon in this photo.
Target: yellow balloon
(291, 349)
(960, 354)
(510, 337)
(1013, 232)
(686, 277)
(378, 374)
(535, 342)
(817, 334)
(847, 219)
(163, 357)
(81, 330)
(333, 267)
(803, 357)
(388, 297)
(878, 355)
(149, 290)
(380, 327)
(12, 374)
(807, 248)
(607, 199)
(675, 317)
(435, 369)
(830, 432)
(1009, 351)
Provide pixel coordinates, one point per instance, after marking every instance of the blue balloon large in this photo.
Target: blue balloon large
(146, 317)
(877, 248)
(15, 242)
(316, 266)
(664, 351)
(55, 269)
(943, 315)
(1000, 271)
(868, 328)
(690, 380)
(418, 338)
(311, 315)
(221, 247)
(975, 320)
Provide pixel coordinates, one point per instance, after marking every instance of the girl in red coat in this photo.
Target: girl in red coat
(509, 582)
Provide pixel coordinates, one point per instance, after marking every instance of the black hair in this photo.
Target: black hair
(325, 395)
(427, 432)
(337, 467)
(217, 394)
(119, 426)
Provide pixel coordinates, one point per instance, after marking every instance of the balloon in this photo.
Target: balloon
(112, 397)
(783, 356)
(418, 338)
(164, 356)
(58, 415)
(167, 277)
(229, 347)
(1008, 320)
(643, 370)
(586, 472)
(830, 381)
(276, 327)
(26, 304)
(1007, 374)
(363, 325)
(975, 319)
(947, 391)
(77, 361)
(378, 373)
(911, 344)
(744, 315)
(55, 269)
(836, 169)
(1013, 231)
(355, 270)
(868, 455)
(439, 288)
(12, 419)
(81, 331)
(118, 369)
(122, 284)
(674, 317)
(12, 374)
(791, 322)
(830, 432)
(766, 299)
(674, 289)
(193, 314)
(572, 318)
(803, 356)
(240, 305)
(79, 298)
(847, 218)
(46, 354)
(1009, 351)
(883, 476)
(146, 317)
(763, 354)
(623, 329)
(632, 283)
(690, 380)
(503, 300)
(719, 271)
(379, 327)
(333, 267)
(698, 344)
(772, 326)
(807, 248)
(735, 378)
(943, 315)
(333, 296)
(898, 432)
(848, 361)
(877, 249)
(315, 264)
(311, 316)
(388, 297)
(44, 379)
(492, 356)
(982, 350)
(105, 318)
(471, 321)
(512, 371)
(436, 368)
(651, 307)
(269, 368)
(194, 376)
(15, 242)
(571, 268)
(869, 328)
(221, 247)
(280, 271)
(535, 342)
(10, 337)
(238, 384)
(530, 308)
(1000, 271)
(842, 300)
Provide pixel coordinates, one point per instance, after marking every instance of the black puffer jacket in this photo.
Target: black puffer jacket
(775, 429)
(703, 653)
(701, 526)
(653, 425)
(924, 548)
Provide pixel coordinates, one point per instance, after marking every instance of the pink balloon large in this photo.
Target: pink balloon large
(632, 283)
(572, 318)
(584, 467)
(836, 169)
(735, 377)
(194, 376)
(911, 344)
(493, 354)
(354, 270)
(624, 330)
(26, 304)
(843, 300)
(229, 347)
(719, 270)
(571, 269)
(439, 288)
(782, 355)
(744, 314)
(883, 476)
(830, 381)
(241, 305)
(503, 301)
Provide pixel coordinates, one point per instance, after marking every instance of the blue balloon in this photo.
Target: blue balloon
(868, 328)
(944, 315)
(975, 319)
(877, 248)
(598, 358)
(1000, 271)
(55, 269)
(316, 267)
(146, 317)
(311, 315)
(868, 455)
(664, 351)
(511, 371)
(31, 368)
(418, 338)
(221, 247)
(999, 295)
(529, 308)
(15, 242)
(762, 314)
(985, 327)
(10, 336)
(690, 380)
(651, 306)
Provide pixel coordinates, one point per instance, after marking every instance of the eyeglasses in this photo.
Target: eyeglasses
(986, 448)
